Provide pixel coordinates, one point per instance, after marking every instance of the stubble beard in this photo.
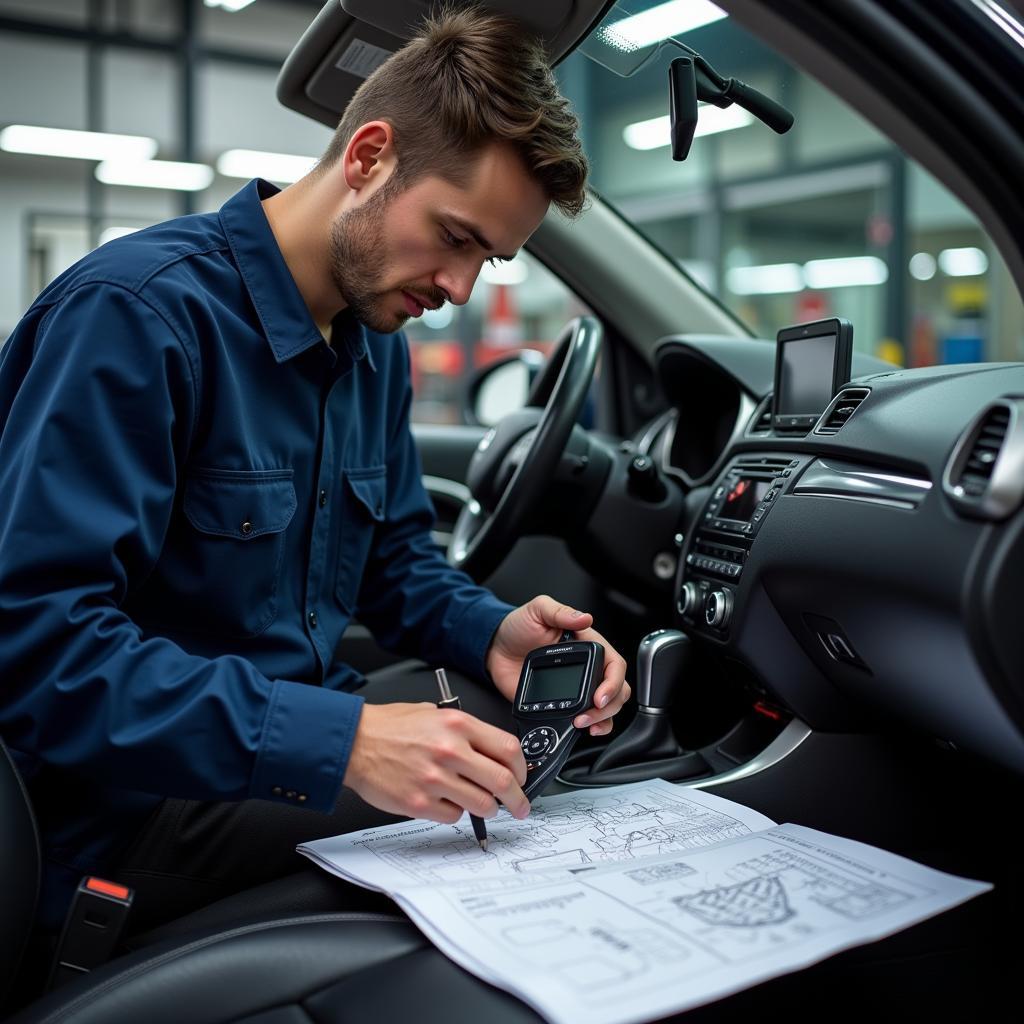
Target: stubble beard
(358, 262)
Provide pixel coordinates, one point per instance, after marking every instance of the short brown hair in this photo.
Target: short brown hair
(466, 80)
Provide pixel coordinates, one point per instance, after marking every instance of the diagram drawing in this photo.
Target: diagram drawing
(575, 832)
(761, 901)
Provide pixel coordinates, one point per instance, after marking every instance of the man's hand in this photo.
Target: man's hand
(430, 762)
(541, 622)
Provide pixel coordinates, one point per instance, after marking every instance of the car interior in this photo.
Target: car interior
(816, 580)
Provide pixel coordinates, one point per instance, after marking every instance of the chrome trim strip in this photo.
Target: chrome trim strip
(778, 750)
(836, 479)
(907, 506)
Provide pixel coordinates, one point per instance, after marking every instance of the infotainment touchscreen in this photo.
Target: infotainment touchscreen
(743, 497)
(812, 361)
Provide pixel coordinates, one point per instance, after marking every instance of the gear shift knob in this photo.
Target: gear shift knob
(661, 661)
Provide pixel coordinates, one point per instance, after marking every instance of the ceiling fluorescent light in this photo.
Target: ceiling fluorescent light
(657, 131)
(253, 163)
(505, 272)
(661, 22)
(845, 272)
(922, 266)
(27, 138)
(156, 174)
(228, 5)
(966, 262)
(769, 279)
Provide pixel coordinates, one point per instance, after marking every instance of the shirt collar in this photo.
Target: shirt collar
(285, 317)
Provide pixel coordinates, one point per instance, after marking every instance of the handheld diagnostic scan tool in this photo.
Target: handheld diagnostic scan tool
(556, 684)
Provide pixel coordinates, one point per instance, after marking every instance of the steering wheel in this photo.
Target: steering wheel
(516, 458)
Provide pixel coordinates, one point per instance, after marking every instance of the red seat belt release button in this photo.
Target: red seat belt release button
(94, 923)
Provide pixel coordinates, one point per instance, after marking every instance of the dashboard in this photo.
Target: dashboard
(868, 566)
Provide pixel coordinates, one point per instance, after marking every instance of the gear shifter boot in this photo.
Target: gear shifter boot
(649, 737)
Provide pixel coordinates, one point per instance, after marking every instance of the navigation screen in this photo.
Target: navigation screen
(743, 498)
(806, 383)
(555, 682)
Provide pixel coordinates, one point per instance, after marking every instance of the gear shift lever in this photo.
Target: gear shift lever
(648, 748)
(661, 661)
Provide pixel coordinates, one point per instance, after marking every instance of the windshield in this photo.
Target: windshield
(829, 219)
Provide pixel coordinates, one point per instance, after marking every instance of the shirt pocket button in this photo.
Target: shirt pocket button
(247, 527)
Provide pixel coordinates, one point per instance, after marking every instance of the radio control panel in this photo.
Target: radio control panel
(718, 548)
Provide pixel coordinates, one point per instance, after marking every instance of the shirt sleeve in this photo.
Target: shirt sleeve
(97, 405)
(411, 598)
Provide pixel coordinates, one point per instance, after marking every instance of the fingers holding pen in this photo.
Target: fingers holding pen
(416, 760)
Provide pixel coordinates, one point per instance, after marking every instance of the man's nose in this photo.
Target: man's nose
(458, 283)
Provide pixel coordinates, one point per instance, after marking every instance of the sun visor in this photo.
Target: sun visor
(349, 39)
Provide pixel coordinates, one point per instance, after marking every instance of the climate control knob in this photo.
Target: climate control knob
(718, 608)
(689, 598)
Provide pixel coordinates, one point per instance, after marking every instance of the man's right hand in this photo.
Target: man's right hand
(435, 763)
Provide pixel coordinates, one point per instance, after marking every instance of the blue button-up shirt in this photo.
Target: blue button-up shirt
(197, 494)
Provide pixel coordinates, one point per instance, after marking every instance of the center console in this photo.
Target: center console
(718, 548)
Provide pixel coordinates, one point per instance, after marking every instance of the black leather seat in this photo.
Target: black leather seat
(268, 956)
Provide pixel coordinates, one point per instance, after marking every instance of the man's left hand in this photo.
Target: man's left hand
(541, 622)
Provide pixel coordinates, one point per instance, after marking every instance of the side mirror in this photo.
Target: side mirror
(501, 387)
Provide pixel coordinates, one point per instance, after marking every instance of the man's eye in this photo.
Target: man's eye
(452, 240)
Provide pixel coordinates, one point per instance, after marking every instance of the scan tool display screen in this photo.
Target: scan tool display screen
(805, 385)
(555, 682)
(743, 497)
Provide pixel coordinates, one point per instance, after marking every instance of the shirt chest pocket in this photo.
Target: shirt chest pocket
(364, 495)
(230, 562)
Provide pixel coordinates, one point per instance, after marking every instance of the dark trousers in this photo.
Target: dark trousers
(192, 853)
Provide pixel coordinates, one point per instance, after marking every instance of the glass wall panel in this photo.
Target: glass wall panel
(827, 219)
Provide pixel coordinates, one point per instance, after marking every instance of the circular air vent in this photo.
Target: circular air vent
(984, 476)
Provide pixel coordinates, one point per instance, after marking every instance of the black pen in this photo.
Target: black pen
(449, 700)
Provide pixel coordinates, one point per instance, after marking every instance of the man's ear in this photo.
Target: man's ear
(370, 155)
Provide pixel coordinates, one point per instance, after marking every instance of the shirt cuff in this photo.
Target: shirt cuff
(470, 638)
(305, 745)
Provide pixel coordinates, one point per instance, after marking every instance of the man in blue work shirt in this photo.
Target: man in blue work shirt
(207, 470)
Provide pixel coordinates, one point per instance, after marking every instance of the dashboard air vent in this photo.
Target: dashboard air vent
(843, 406)
(985, 474)
(983, 452)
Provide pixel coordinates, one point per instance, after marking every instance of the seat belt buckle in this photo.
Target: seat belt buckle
(92, 927)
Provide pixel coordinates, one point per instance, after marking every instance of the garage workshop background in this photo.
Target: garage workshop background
(830, 219)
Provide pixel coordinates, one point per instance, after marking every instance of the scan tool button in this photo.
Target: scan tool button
(538, 742)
